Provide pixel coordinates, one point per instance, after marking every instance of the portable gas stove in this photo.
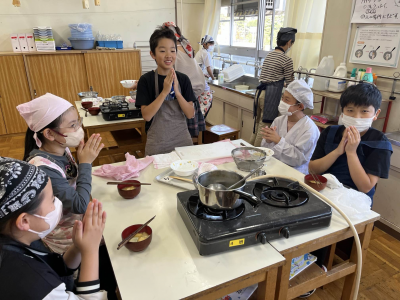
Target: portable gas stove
(288, 209)
(117, 110)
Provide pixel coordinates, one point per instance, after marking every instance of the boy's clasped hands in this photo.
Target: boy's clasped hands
(270, 134)
(350, 141)
(169, 80)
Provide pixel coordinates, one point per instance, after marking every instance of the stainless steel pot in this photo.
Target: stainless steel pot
(225, 199)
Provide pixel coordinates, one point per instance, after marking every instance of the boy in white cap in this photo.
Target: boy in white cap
(203, 57)
(293, 135)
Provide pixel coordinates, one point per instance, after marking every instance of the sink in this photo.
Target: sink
(252, 82)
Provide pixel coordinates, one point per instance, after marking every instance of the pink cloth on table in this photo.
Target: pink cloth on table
(131, 168)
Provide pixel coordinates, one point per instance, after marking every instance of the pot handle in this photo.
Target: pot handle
(253, 200)
(195, 181)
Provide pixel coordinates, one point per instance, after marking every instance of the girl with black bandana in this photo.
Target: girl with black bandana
(28, 212)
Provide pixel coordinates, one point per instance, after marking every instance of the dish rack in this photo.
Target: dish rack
(233, 72)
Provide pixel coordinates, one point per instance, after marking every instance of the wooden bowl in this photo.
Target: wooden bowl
(131, 193)
(309, 180)
(94, 111)
(87, 104)
(137, 246)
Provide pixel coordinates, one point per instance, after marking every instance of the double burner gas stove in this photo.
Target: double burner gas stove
(287, 209)
(118, 110)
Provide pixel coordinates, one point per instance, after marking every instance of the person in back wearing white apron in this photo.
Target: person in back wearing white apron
(293, 136)
(203, 57)
(165, 97)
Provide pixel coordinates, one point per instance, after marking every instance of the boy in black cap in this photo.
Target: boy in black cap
(277, 68)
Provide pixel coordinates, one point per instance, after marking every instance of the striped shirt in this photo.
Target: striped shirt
(277, 66)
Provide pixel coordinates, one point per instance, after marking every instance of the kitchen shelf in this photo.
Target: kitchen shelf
(314, 277)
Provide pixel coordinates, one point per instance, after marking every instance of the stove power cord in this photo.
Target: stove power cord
(353, 229)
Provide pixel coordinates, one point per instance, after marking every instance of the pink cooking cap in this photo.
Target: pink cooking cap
(41, 111)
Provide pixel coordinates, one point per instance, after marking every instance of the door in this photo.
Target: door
(14, 90)
(216, 113)
(232, 116)
(63, 75)
(105, 70)
(247, 125)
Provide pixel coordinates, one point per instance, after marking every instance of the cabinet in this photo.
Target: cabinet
(247, 125)
(106, 70)
(14, 90)
(216, 114)
(63, 75)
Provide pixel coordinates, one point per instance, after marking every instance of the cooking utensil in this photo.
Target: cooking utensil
(127, 183)
(90, 94)
(315, 178)
(388, 54)
(86, 111)
(182, 179)
(248, 158)
(217, 187)
(120, 245)
(247, 176)
(372, 53)
(259, 173)
(360, 52)
(225, 199)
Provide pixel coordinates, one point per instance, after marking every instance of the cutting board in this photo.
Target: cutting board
(206, 152)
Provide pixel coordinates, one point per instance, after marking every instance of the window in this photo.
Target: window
(224, 26)
(239, 26)
(268, 26)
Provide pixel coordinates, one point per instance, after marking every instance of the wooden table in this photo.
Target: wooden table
(176, 270)
(96, 124)
(172, 268)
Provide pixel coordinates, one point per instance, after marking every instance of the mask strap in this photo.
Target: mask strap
(44, 218)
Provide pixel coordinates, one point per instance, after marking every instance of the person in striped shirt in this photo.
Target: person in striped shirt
(276, 70)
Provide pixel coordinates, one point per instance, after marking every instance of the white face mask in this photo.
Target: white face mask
(210, 49)
(361, 124)
(52, 218)
(72, 139)
(284, 109)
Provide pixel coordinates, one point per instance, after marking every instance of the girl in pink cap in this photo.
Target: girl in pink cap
(53, 126)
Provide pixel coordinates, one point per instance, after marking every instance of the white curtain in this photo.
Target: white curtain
(212, 10)
(308, 17)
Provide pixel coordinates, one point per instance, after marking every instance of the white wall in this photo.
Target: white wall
(193, 14)
(133, 19)
(334, 37)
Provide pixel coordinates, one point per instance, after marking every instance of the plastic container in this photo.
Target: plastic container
(221, 78)
(336, 85)
(361, 72)
(326, 67)
(111, 44)
(81, 30)
(352, 76)
(368, 76)
(82, 44)
(375, 78)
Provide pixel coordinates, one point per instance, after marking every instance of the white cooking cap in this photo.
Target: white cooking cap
(300, 90)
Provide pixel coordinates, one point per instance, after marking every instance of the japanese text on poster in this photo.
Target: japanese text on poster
(376, 11)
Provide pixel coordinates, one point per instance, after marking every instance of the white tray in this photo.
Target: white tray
(164, 178)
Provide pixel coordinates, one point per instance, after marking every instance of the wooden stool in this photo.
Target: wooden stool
(220, 132)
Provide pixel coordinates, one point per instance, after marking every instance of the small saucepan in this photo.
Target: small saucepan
(222, 199)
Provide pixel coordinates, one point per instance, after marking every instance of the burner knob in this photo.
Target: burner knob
(285, 232)
(262, 238)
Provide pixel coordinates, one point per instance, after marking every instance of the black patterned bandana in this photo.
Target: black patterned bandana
(20, 183)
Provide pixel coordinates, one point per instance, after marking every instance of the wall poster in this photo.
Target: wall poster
(376, 11)
(376, 46)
